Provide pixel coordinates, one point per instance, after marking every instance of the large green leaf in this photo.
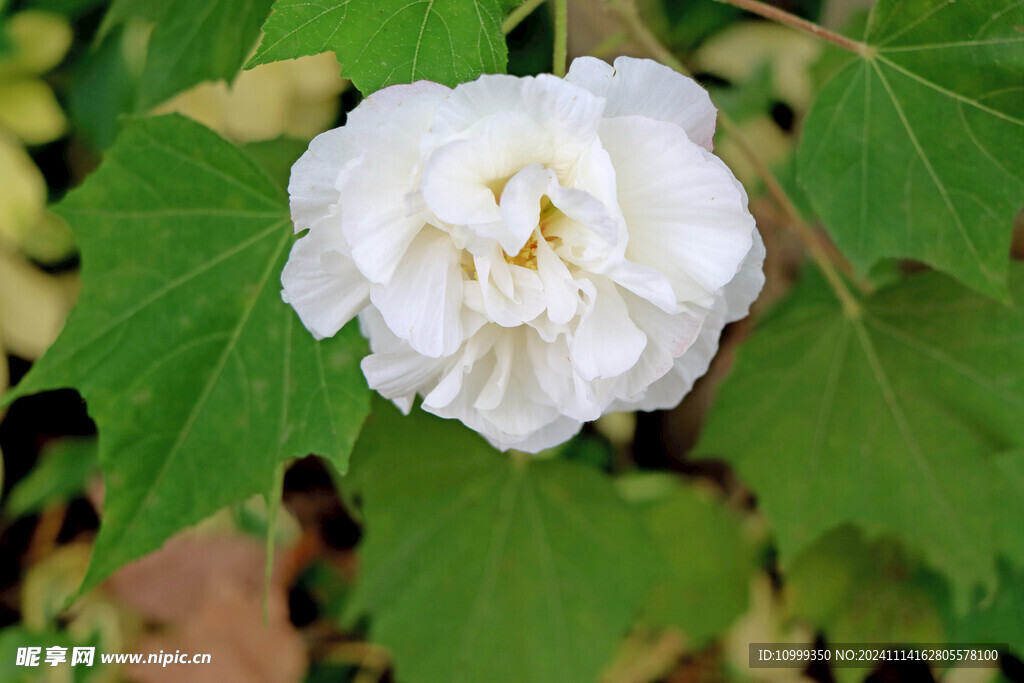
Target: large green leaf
(480, 566)
(710, 559)
(887, 420)
(192, 41)
(200, 379)
(383, 42)
(917, 149)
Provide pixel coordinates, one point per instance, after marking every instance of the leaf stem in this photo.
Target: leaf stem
(518, 14)
(763, 9)
(561, 37)
(627, 10)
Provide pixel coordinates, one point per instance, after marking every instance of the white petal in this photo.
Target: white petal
(569, 114)
(741, 292)
(560, 291)
(376, 218)
(552, 434)
(641, 87)
(322, 284)
(422, 301)
(463, 178)
(520, 205)
(400, 375)
(312, 187)
(645, 282)
(686, 215)
(669, 336)
(607, 342)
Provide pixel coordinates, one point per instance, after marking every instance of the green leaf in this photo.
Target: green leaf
(63, 472)
(383, 42)
(200, 379)
(857, 591)
(710, 562)
(482, 566)
(192, 41)
(887, 421)
(917, 149)
(276, 156)
(999, 618)
(102, 90)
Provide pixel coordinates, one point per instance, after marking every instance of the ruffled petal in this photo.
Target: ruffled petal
(641, 87)
(312, 190)
(322, 284)
(378, 222)
(607, 342)
(687, 217)
(422, 302)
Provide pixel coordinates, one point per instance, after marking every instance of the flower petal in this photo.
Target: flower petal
(376, 218)
(322, 284)
(641, 87)
(422, 302)
(687, 216)
(606, 342)
(312, 187)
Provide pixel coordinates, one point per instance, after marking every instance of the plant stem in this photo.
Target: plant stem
(815, 247)
(773, 13)
(518, 14)
(561, 36)
(626, 9)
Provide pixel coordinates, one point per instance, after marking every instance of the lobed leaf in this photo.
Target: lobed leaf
(200, 379)
(887, 421)
(383, 42)
(478, 566)
(916, 149)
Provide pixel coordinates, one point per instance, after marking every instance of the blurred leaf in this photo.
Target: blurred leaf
(200, 379)
(30, 111)
(1000, 617)
(887, 141)
(710, 560)
(885, 420)
(481, 566)
(383, 42)
(859, 591)
(193, 41)
(692, 22)
(276, 156)
(62, 474)
(102, 90)
(69, 7)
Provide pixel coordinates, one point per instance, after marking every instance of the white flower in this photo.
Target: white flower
(527, 254)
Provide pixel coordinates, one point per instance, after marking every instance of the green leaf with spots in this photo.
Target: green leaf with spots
(480, 566)
(200, 379)
(916, 149)
(383, 42)
(192, 41)
(888, 420)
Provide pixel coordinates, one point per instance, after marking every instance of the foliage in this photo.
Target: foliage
(879, 432)
(886, 144)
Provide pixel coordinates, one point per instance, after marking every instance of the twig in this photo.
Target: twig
(518, 14)
(561, 37)
(773, 13)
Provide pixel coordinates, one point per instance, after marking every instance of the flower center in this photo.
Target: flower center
(527, 256)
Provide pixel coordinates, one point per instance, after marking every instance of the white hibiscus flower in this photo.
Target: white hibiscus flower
(527, 254)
